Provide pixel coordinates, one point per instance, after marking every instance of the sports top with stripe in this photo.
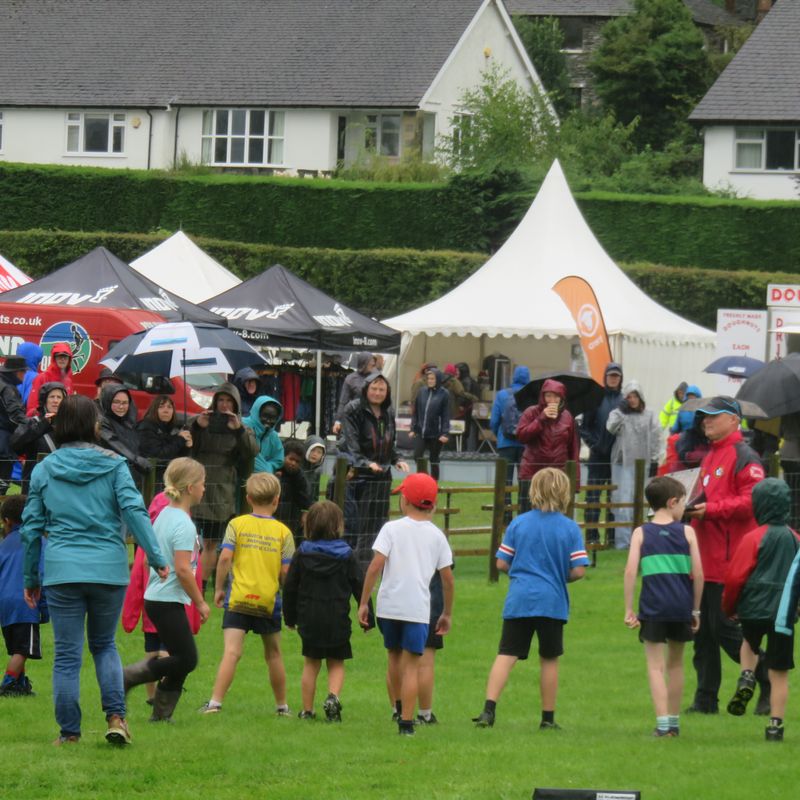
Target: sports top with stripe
(666, 594)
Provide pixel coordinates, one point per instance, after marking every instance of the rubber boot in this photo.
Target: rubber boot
(137, 674)
(164, 703)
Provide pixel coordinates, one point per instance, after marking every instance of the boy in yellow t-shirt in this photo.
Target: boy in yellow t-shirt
(260, 549)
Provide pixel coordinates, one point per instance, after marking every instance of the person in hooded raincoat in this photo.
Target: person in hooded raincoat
(225, 447)
(638, 436)
(549, 434)
(370, 439)
(263, 418)
(353, 386)
(430, 419)
(32, 354)
(246, 380)
(59, 369)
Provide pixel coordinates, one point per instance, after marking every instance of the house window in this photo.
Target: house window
(768, 149)
(95, 132)
(382, 134)
(462, 127)
(1, 131)
(242, 136)
(572, 27)
(428, 137)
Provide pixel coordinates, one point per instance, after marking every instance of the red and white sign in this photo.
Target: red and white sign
(783, 295)
(740, 333)
(780, 318)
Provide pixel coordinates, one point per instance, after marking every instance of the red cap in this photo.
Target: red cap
(419, 489)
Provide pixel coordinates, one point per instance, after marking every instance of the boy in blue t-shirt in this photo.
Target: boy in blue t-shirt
(20, 623)
(542, 551)
(669, 600)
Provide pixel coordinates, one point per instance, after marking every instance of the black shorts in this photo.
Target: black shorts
(263, 626)
(656, 631)
(780, 648)
(342, 652)
(22, 639)
(152, 643)
(211, 530)
(517, 635)
(434, 640)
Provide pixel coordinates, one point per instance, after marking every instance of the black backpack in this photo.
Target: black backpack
(510, 417)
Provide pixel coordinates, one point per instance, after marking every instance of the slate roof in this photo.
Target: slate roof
(133, 53)
(704, 12)
(762, 82)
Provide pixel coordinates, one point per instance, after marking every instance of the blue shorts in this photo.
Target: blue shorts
(401, 635)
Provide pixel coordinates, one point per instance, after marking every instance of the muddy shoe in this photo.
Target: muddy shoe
(117, 732)
(744, 693)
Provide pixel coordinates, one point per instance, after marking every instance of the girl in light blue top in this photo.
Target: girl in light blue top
(164, 601)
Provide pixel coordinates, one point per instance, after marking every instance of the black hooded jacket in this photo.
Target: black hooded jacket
(353, 384)
(430, 418)
(34, 437)
(368, 438)
(119, 433)
(593, 429)
(322, 577)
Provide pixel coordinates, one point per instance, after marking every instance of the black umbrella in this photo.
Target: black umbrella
(583, 392)
(749, 409)
(735, 366)
(775, 387)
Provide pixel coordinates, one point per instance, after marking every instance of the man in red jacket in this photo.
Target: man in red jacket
(721, 518)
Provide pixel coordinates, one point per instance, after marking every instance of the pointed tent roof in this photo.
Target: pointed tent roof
(183, 268)
(511, 295)
(101, 280)
(278, 307)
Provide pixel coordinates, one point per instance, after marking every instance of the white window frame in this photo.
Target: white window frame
(574, 50)
(462, 120)
(753, 134)
(376, 120)
(271, 141)
(76, 121)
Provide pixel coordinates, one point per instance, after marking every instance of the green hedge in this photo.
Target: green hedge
(466, 214)
(285, 211)
(387, 282)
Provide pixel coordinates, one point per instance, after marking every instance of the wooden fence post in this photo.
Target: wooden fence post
(498, 512)
(340, 481)
(640, 478)
(774, 470)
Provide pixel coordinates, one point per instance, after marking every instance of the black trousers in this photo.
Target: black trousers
(716, 631)
(176, 635)
(371, 497)
(598, 473)
(791, 474)
(434, 446)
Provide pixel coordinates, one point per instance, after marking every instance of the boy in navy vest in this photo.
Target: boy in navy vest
(669, 599)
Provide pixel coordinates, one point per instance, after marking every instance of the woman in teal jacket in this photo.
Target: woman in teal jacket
(264, 416)
(80, 495)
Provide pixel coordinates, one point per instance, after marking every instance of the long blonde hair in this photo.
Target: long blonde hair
(180, 474)
(550, 490)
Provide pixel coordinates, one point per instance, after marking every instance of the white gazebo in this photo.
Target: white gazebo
(181, 267)
(508, 307)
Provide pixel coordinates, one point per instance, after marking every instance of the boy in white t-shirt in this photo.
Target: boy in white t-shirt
(408, 552)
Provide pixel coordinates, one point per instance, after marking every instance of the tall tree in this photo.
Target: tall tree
(544, 40)
(652, 65)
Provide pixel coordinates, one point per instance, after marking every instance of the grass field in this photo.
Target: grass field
(246, 752)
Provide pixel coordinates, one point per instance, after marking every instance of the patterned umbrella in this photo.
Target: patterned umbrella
(176, 349)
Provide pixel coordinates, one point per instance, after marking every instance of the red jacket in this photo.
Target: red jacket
(728, 474)
(52, 373)
(548, 442)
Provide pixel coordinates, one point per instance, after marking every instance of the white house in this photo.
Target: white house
(751, 115)
(289, 86)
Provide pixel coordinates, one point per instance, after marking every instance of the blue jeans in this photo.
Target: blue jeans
(98, 606)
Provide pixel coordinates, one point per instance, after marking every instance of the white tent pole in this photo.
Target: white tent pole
(318, 396)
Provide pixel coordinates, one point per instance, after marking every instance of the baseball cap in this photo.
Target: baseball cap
(419, 489)
(721, 405)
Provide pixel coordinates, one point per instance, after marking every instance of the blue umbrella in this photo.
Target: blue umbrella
(735, 366)
(175, 349)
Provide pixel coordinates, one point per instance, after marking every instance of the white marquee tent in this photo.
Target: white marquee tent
(508, 307)
(10, 276)
(183, 268)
